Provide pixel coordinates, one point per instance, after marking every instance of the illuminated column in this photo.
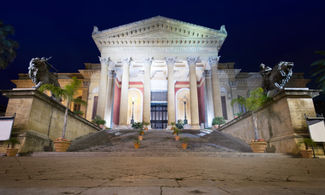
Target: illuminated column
(171, 90)
(213, 61)
(209, 112)
(109, 95)
(193, 93)
(102, 87)
(124, 92)
(147, 90)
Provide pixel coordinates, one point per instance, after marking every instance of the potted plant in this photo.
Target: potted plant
(258, 145)
(180, 124)
(146, 124)
(140, 136)
(61, 144)
(99, 122)
(238, 114)
(184, 143)
(173, 126)
(136, 143)
(176, 131)
(78, 112)
(308, 148)
(137, 125)
(217, 121)
(11, 150)
(257, 98)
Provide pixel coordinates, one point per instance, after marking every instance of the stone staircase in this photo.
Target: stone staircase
(160, 142)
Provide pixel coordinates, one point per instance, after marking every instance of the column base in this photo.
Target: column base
(123, 127)
(195, 127)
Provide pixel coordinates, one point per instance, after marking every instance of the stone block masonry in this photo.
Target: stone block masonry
(37, 112)
(281, 123)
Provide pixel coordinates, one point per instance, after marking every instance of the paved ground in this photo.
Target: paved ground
(108, 164)
(95, 173)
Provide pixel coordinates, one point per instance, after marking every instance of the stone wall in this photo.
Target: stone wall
(281, 123)
(39, 113)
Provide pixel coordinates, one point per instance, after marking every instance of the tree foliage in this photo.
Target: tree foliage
(67, 94)
(7, 46)
(257, 98)
(319, 70)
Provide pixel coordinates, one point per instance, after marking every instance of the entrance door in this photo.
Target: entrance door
(159, 115)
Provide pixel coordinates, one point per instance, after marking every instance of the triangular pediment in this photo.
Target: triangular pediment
(159, 27)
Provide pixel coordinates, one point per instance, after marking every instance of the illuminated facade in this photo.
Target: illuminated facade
(161, 70)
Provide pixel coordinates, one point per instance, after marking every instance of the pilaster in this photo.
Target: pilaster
(171, 90)
(193, 92)
(147, 90)
(124, 92)
(213, 61)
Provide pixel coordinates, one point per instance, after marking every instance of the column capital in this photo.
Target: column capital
(126, 61)
(192, 60)
(213, 61)
(170, 61)
(148, 61)
(104, 60)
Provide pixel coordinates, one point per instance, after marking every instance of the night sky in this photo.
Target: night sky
(265, 31)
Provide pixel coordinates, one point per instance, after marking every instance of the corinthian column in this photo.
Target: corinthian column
(102, 87)
(109, 95)
(146, 90)
(193, 93)
(124, 92)
(171, 90)
(209, 112)
(213, 61)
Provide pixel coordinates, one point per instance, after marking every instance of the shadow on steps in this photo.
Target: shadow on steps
(227, 141)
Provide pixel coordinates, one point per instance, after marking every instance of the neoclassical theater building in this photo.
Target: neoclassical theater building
(160, 70)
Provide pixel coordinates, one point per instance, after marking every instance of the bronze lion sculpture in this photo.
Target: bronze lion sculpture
(275, 79)
(40, 74)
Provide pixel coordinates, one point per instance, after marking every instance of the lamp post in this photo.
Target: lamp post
(132, 117)
(185, 120)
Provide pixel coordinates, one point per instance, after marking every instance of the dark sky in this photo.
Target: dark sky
(265, 31)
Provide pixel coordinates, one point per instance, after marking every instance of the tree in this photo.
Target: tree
(319, 70)
(257, 98)
(7, 46)
(67, 94)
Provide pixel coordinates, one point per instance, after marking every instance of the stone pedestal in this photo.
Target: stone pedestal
(39, 119)
(281, 123)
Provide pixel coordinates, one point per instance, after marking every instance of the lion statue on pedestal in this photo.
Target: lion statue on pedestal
(40, 74)
(275, 79)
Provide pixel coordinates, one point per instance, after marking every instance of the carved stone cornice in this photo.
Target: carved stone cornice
(159, 31)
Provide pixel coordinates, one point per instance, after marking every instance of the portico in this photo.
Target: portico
(158, 61)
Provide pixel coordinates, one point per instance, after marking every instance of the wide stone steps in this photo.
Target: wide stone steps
(158, 141)
(138, 153)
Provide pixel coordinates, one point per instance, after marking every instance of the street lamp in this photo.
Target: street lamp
(185, 120)
(132, 117)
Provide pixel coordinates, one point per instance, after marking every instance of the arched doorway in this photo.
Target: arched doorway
(135, 105)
